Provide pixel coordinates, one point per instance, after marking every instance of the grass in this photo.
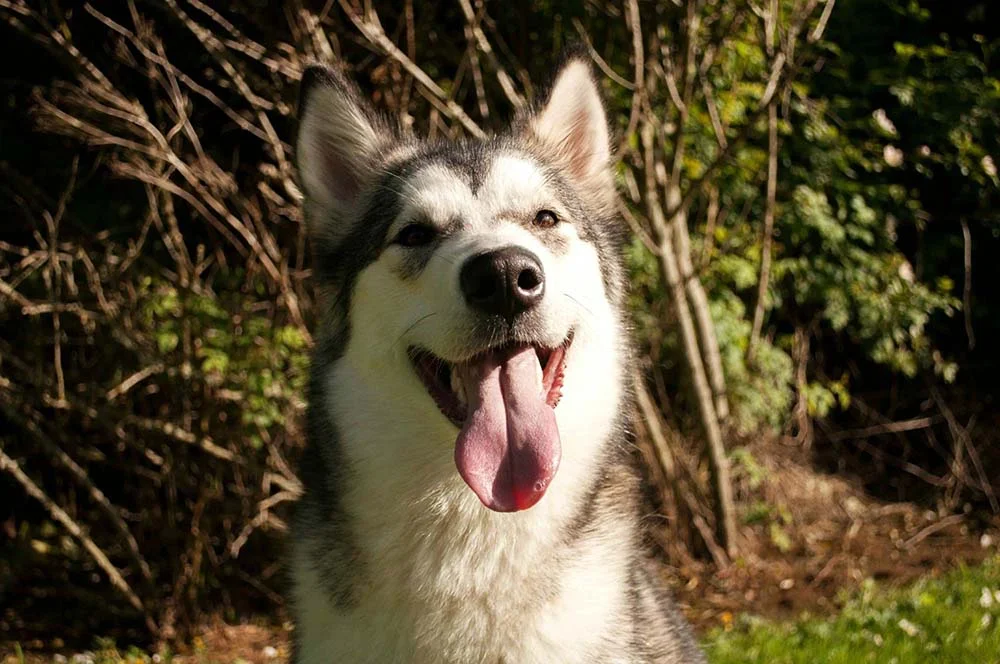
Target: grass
(951, 620)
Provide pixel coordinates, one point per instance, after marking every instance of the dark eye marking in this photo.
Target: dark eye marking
(545, 219)
(416, 235)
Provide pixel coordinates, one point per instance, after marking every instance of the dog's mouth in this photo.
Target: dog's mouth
(503, 401)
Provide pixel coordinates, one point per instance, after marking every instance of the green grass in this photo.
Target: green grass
(951, 620)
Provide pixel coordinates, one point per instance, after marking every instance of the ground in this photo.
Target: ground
(808, 537)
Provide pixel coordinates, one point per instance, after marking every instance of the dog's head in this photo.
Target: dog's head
(476, 282)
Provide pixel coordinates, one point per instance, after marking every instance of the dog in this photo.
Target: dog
(471, 488)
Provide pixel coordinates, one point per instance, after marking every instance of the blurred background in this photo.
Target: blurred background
(812, 190)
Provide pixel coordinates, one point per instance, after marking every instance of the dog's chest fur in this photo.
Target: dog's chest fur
(457, 586)
(435, 577)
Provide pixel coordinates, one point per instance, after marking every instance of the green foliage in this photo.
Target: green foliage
(775, 517)
(954, 620)
(761, 394)
(834, 268)
(745, 466)
(261, 365)
(868, 147)
(823, 397)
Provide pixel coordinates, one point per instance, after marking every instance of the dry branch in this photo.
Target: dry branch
(483, 44)
(173, 431)
(666, 460)
(369, 26)
(59, 515)
(79, 475)
(718, 462)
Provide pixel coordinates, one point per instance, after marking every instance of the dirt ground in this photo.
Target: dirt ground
(832, 537)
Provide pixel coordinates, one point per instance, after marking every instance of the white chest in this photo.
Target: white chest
(464, 589)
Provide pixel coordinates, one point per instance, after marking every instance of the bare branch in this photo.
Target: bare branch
(173, 431)
(79, 475)
(820, 28)
(370, 27)
(483, 44)
(666, 459)
(967, 287)
(10, 466)
(671, 272)
(768, 232)
(962, 437)
(601, 63)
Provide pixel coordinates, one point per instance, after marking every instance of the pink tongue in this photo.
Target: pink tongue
(508, 451)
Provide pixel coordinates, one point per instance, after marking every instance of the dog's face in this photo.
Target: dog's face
(476, 280)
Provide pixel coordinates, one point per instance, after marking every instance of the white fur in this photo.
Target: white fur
(573, 125)
(446, 576)
(337, 150)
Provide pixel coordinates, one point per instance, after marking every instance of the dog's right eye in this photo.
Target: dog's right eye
(415, 235)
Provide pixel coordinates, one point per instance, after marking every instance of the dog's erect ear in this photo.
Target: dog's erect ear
(573, 125)
(339, 141)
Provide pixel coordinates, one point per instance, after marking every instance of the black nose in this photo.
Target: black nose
(507, 281)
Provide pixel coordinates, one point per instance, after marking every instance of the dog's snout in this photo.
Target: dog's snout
(506, 282)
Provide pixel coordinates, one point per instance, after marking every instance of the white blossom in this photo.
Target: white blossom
(884, 123)
(908, 627)
(892, 155)
(989, 166)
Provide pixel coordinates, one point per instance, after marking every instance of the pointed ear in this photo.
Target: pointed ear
(338, 144)
(573, 125)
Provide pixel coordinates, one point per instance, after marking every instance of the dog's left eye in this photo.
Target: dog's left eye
(546, 219)
(415, 235)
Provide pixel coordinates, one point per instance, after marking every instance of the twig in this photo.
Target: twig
(638, 70)
(81, 478)
(173, 431)
(165, 64)
(934, 527)
(241, 43)
(477, 79)
(713, 112)
(58, 514)
(371, 29)
(902, 464)
(483, 44)
(133, 380)
(961, 436)
(601, 63)
(967, 289)
(636, 227)
(820, 28)
(890, 427)
(54, 38)
(262, 518)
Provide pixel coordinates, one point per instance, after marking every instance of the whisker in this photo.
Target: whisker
(581, 304)
(447, 259)
(411, 327)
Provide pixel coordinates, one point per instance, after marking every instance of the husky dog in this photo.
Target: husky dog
(470, 489)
